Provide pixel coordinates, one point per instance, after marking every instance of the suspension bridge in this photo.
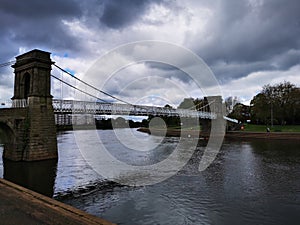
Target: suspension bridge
(29, 122)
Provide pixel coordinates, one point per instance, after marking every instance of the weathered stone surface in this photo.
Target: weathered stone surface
(21, 206)
(31, 130)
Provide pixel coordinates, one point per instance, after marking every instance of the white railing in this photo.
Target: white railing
(230, 119)
(85, 107)
(19, 103)
(97, 108)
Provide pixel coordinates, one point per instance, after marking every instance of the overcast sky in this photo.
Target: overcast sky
(246, 43)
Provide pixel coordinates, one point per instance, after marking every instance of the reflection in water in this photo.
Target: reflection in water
(37, 176)
(281, 151)
(252, 182)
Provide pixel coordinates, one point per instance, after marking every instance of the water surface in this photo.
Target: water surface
(250, 182)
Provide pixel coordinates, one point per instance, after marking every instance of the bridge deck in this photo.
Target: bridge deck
(99, 108)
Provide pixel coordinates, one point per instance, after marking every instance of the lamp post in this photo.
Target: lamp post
(271, 113)
(272, 96)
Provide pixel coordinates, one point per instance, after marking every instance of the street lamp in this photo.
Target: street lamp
(271, 113)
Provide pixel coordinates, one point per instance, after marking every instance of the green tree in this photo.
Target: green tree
(260, 109)
(192, 104)
(277, 104)
(187, 103)
(293, 107)
(168, 106)
(201, 103)
(240, 112)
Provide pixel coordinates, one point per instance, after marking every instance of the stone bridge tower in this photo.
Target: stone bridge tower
(219, 125)
(33, 122)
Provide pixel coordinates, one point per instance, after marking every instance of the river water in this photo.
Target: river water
(249, 182)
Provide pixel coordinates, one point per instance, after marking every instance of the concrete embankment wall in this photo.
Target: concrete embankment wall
(19, 205)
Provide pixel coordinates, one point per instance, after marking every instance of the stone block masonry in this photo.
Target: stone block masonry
(41, 133)
(12, 125)
(31, 127)
(30, 133)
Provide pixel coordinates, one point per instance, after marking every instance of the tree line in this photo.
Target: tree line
(277, 104)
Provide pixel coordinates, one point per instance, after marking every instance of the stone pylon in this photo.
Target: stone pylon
(32, 92)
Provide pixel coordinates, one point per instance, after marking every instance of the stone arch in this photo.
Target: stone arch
(7, 135)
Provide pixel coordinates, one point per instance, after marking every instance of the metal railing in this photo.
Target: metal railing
(98, 108)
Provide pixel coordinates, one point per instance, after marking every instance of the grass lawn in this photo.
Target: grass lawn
(275, 128)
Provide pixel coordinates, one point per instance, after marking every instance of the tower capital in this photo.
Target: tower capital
(32, 74)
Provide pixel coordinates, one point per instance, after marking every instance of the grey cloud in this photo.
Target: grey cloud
(169, 71)
(287, 59)
(33, 24)
(161, 66)
(249, 34)
(229, 71)
(36, 9)
(118, 14)
(36, 23)
(243, 36)
(6, 77)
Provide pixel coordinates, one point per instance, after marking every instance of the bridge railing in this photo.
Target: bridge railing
(19, 103)
(98, 108)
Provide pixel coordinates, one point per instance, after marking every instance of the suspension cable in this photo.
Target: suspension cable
(118, 99)
(97, 89)
(7, 64)
(84, 92)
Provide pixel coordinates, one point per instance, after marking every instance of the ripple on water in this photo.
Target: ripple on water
(249, 182)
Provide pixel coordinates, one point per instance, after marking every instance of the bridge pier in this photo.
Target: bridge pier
(217, 107)
(32, 122)
(205, 126)
(218, 126)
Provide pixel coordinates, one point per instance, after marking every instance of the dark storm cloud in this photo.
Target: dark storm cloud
(169, 71)
(35, 23)
(288, 59)
(241, 36)
(160, 66)
(118, 14)
(254, 33)
(37, 9)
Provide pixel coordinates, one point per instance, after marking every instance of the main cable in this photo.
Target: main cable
(97, 89)
(103, 92)
(7, 64)
(72, 86)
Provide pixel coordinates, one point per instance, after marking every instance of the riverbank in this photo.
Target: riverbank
(229, 134)
(19, 205)
(263, 135)
(172, 132)
(276, 128)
